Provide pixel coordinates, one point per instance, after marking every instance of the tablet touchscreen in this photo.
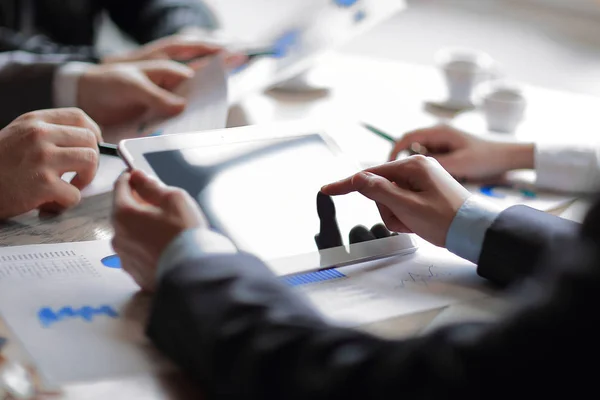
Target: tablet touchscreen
(263, 193)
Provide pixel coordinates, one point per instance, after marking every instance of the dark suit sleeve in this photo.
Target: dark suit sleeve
(515, 241)
(26, 83)
(147, 20)
(11, 40)
(241, 334)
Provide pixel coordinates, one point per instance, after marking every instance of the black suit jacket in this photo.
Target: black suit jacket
(70, 27)
(242, 334)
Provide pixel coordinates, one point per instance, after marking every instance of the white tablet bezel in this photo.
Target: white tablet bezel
(133, 150)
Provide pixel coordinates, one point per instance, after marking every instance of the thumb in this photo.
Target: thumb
(149, 189)
(166, 74)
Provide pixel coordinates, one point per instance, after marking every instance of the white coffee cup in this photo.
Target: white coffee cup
(503, 106)
(463, 70)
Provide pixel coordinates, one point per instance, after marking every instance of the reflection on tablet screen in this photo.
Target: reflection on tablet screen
(263, 194)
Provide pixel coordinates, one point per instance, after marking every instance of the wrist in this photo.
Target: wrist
(84, 85)
(518, 156)
(190, 244)
(468, 228)
(67, 82)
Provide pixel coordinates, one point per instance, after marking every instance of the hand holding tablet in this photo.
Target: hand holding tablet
(257, 185)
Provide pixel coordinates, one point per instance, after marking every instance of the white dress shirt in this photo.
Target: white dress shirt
(567, 168)
(65, 84)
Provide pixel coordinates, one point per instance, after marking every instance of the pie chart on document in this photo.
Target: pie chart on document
(112, 261)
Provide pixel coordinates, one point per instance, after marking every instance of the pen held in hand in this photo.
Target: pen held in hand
(249, 53)
(108, 149)
(415, 148)
(379, 132)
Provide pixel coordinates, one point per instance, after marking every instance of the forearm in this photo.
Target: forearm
(518, 155)
(232, 326)
(246, 338)
(224, 318)
(505, 244)
(558, 167)
(39, 44)
(516, 239)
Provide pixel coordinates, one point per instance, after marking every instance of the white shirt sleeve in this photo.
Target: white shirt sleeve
(468, 228)
(567, 168)
(190, 244)
(66, 80)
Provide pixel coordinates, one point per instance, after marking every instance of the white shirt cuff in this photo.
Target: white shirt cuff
(65, 84)
(191, 244)
(467, 231)
(567, 168)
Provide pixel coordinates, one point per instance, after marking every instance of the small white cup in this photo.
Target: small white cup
(463, 70)
(503, 106)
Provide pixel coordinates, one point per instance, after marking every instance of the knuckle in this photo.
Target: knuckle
(419, 161)
(91, 139)
(36, 131)
(78, 115)
(28, 117)
(418, 166)
(377, 183)
(89, 156)
(433, 161)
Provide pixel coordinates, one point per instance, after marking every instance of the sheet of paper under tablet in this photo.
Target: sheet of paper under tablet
(82, 319)
(206, 109)
(78, 318)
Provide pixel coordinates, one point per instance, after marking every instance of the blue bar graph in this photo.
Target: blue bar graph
(313, 277)
(48, 316)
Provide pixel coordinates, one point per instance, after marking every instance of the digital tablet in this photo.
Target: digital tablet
(259, 185)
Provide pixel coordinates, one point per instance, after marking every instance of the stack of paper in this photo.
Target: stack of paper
(81, 318)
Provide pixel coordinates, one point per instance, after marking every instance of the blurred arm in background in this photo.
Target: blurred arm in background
(71, 28)
(569, 168)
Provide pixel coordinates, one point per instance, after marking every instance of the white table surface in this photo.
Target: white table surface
(393, 96)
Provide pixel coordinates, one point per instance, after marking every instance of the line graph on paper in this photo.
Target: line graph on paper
(423, 277)
(45, 265)
(372, 286)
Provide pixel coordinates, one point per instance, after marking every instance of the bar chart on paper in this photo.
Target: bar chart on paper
(75, 307)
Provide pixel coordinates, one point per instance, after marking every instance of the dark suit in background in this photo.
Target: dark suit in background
(242, 334)
(39, 36)
(70, 27)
